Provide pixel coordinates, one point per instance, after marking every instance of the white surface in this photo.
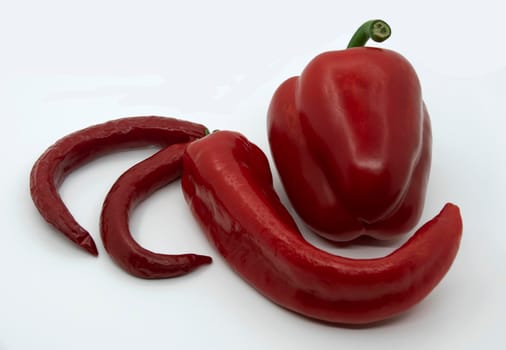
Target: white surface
(65, 66)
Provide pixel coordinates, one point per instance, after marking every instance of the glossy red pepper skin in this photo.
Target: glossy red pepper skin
(132, 187)
(74, 150)
(351, 139)
(228, 185)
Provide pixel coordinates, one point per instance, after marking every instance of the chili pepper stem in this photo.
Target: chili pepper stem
(375, 29)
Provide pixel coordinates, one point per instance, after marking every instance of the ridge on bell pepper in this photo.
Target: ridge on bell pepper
(351, 139)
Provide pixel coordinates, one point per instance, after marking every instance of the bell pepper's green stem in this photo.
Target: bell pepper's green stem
(376, 29)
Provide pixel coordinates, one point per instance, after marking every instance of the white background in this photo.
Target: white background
(65, 65)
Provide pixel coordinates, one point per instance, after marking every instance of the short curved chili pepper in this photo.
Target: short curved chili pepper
(228, 185)
(132, 187)
(351, 139)
(73, 150)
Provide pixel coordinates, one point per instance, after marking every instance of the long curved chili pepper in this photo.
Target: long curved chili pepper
(228, 185)
(136, 184)
(75, 149)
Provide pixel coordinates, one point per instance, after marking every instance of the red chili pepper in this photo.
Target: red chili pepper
(72, 151)
(228, 185)
(136, 184)
(351, 139)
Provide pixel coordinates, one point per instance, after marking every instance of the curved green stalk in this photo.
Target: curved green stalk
(376, 29)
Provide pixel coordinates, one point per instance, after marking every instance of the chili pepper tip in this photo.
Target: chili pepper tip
(202, 260)
(89, 245)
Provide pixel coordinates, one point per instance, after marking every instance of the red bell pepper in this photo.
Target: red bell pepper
(351, 139)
